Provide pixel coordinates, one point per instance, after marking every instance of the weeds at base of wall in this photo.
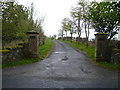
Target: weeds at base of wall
(19, 62)
(109, 66)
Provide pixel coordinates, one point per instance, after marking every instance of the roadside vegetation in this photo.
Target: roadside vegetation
(17, 20)
(103, 17)
(44, 51)
(90, 52)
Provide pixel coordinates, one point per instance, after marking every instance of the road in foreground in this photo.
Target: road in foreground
(65, 68)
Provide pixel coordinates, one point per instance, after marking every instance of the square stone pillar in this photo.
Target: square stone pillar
(33, 43)
(101, 47)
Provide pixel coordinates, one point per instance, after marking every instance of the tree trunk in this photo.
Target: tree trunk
(87, 33)
(79, 31)
(71, 37)
(66, 35)
(79, 34)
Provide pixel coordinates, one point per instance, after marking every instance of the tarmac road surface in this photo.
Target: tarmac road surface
(64, 68)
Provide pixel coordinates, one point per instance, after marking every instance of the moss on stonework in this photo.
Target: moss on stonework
(101, 33)
(115, 49)
(21, 43)
(9, 47)
(20, 46)
(5, 50)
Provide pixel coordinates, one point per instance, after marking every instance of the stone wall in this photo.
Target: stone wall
(67, 38)
(101, 44)
(17, 53)
(115, 54)
(106, 50)
(22, 51)
(115, 57)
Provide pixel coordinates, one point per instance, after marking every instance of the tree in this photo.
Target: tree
(64, 25)
(105, 17)
(61, 33)
(37, 26)
(53, 37)
(70, 26)
(16, 21)
(76, 14)
(85, 19)
(13, 21)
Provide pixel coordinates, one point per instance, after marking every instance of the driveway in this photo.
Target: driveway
(64, 68)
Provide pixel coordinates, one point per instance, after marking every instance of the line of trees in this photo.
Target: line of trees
(104, 17)
(17, 20)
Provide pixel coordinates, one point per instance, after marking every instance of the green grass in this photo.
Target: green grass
(82, 47)
(44, 50)
(109, 65)
(90, 51)
(19, 62)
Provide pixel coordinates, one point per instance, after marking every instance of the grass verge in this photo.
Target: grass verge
(90, 51)
(44, 50)
(82, 47)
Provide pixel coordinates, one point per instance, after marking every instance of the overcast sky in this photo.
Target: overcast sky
(53, 11)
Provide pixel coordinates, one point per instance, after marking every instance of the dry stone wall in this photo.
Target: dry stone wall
(16, 53)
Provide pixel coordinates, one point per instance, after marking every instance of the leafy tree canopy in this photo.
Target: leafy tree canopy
(16, 21)
(105, 17)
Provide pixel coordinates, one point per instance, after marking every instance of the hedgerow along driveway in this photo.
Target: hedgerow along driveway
(64, 68)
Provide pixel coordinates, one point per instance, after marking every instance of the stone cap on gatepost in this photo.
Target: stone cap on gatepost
(101, 36)
(32, 32)
(100, 33)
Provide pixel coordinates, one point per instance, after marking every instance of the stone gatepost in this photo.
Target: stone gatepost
(101, 45)
(33, 43)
